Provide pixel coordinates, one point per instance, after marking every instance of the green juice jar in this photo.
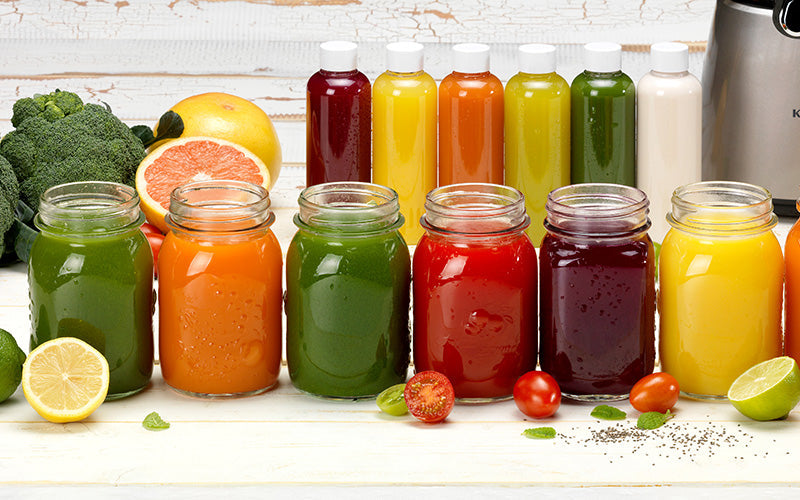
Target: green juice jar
(90, 276)
(347, 292)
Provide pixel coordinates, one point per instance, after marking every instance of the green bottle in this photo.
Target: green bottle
(603, 119)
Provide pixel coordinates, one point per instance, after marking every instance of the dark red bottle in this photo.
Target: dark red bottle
(338, 118)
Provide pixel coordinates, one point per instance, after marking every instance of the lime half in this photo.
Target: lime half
(768, 390)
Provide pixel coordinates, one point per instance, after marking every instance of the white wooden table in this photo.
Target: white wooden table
(288, 444)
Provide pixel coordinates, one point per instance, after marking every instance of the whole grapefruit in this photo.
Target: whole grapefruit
(232, 118)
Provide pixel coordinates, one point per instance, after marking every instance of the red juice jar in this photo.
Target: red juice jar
(597, 296)
(475, 290)
(339, 118)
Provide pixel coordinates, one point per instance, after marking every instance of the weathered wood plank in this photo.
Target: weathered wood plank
(49, 59)
(509, 21)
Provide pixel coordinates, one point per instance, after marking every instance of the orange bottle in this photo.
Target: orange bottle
(470, 119)
(792, 311)
(219, 280)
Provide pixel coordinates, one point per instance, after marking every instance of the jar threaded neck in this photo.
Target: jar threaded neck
(475, 209)
(722, 208)
(219, 206)
(349, 208)
(597, 210)
(92, 207)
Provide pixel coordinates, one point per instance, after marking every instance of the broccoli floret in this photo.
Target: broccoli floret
(51, 107)
(59, 139)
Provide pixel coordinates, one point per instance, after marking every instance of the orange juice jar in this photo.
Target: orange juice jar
(219, 277)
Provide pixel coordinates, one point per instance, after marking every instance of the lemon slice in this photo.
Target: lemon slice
(768, 390)
(65, 379)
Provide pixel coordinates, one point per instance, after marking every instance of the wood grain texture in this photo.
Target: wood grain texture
(448, 21)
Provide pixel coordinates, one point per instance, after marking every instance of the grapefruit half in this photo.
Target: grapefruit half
(192, 159)
(229, 117)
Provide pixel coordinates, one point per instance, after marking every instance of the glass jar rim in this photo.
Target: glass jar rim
(89, 207)
(597, 210)
(348, 207)
(722, 208)
(219, 206)
(467, 208)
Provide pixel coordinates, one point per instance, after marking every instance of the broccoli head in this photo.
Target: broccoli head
(9, 196)
(60, 139)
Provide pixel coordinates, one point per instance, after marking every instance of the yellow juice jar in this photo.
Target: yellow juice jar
(721, 286)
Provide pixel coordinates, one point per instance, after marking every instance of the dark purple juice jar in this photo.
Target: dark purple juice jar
(338, 118)
(597, 296)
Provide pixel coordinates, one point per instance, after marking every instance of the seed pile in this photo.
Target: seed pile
(676, 440)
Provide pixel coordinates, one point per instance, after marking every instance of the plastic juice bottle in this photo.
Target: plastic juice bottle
(537, 131)
(721, 286)
(338, 118)
(670, 101)
(470, 119)
(404, 132)
(603, 118)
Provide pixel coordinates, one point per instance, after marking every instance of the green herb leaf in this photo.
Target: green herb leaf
(605, 412)
(539, 433)
(144, 133)
(653, 420)
(154, 422)
(170, 126)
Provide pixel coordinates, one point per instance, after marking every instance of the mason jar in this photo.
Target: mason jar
(597, 322)
(219, 284)
(90, 276)
(721, 286)
(475, 290)
(347, 292)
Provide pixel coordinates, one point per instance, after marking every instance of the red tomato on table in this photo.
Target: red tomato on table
(429, 396)
(655, 392)
(537, 394)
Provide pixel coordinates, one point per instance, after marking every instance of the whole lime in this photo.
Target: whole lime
(11, 360)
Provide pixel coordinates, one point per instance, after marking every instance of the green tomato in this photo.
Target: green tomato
(391, 400)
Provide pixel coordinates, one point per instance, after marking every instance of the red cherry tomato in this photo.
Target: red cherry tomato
(429, 396)
(537, 394)
(148, 228)
(655, 392)
(155, 240)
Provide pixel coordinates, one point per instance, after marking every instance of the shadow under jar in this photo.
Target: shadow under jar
(91, 277)
(348, 280)
(219, 282)
(475, 290)
(597, 291)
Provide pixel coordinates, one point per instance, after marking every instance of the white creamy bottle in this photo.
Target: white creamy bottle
(669, 130)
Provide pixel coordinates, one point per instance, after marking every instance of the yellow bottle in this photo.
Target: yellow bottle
(721, 286)
(404, 133)
(537, 132)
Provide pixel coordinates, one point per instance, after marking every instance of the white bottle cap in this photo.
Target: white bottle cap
(602, 57)
(404, 57)
(669, 57)
(471, 58)
(537, 58)
(338, 56)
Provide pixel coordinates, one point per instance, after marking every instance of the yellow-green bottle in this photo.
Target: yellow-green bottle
(537, 131)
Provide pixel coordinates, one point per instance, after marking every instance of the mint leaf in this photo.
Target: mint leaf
(605, 412)
(154, 422)
(653, 420)
(539, 433)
